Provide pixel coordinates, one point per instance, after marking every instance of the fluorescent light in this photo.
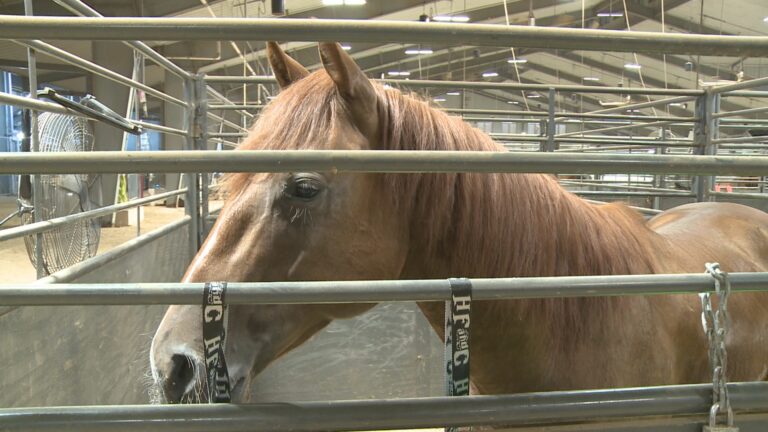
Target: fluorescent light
(634, 110)
(533, 96)
(610, 14)
(414, 51)
(454, 93)
(513, 102)
(678, 104)
(439, 99)
(591, 79)
(518, 61)
(633, 66)
(20, 135)
(765, 19)
(454, 19)
(346, 47)
(399, 73)
(490, 74)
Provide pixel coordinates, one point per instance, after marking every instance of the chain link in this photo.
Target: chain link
(715, 321)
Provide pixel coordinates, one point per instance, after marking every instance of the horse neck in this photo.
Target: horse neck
(526, 225)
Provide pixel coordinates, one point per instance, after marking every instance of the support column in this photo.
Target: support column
(118, 58)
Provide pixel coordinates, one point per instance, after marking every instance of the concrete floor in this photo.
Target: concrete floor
(15, 265)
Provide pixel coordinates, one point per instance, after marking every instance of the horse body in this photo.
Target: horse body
(332, 226)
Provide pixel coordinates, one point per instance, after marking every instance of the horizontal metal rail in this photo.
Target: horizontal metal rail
(585, 406)
(234, 107)
(739, 85)
(617, 186)
(98, 261)
(39, 105)
(641, 194)
(79, 8)
(567, 115)
(47, 225)
(480, 85)
(740, 195)
(371, 291)
(741, 139)
(376, 31)
(374, 161)
(644, 210)
(226, 122)
(96, 69)
(740, 112)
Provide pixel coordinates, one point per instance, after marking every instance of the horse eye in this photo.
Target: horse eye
(305, 188)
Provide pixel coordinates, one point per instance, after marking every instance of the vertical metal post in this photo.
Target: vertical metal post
(191, 201)
(200, 128)
(551, 129)
(658, 179)
(35, 147)
(704, 135)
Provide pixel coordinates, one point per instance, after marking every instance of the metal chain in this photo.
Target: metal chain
(716, 323)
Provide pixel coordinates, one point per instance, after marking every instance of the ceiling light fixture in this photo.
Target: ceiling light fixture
(490, 74)
(533, 96)
(439, 99)
(633, 66)
(399, 73)
(453, 19)
(414, 51)
(346, 47)
(591, 78)
(610, 14)
(454, 93)
(517, 61)
(513, 102)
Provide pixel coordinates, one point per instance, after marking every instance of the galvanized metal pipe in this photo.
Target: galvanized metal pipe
(615, 186)
(632, 194)
(371, 291)
(46, 225)
(374, 161)
(740, 112)
(585, 406)
(35, 104)
(94, 263)
(740, 195)
(96, 69)
(377, 31)
(739, 85)
(225, 122)
(740, 139)
(79, 8)
(644, 210)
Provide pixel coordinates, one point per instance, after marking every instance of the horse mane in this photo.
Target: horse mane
(488, 225)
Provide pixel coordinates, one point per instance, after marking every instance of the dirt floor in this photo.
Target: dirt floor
(14, 262)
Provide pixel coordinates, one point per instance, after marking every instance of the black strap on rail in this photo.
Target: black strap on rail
(457, 314)
(214, 337)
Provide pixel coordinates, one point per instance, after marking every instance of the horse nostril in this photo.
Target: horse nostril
(181, 375)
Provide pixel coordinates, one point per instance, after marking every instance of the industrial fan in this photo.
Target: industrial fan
(63, 195)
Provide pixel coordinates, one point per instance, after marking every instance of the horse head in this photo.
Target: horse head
(298, 226)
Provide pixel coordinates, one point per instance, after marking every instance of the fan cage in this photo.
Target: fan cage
(63, 195)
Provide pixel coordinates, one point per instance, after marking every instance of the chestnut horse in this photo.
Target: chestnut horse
(306, 226)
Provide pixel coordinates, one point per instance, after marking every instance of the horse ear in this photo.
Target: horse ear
(287, 70)
(353, 86)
